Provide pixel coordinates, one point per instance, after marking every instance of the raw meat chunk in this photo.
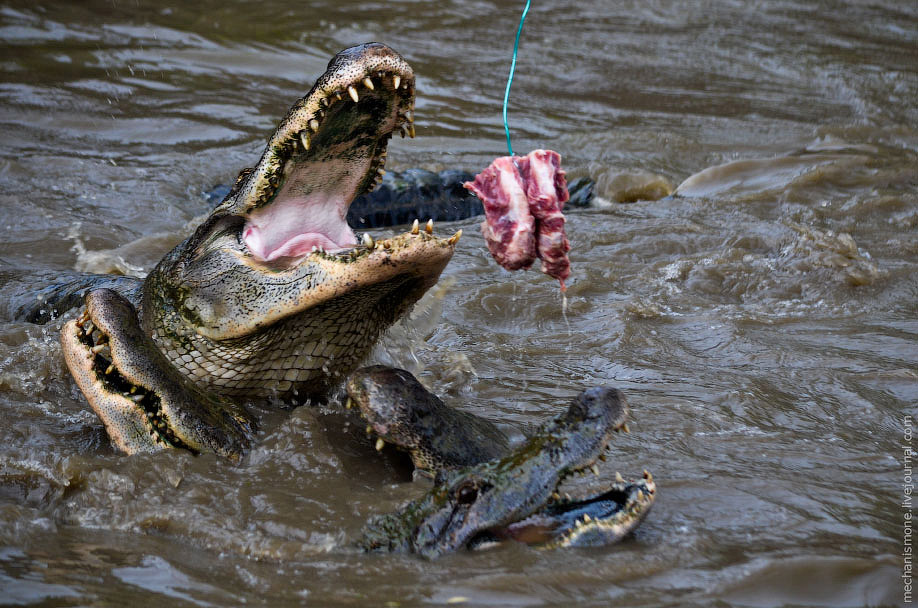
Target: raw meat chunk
(523, 197)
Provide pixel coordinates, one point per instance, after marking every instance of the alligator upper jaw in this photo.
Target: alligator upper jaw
(329, 148)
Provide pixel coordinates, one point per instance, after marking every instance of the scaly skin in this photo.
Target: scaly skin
(242, 308)
(516, 496)
(400, 411)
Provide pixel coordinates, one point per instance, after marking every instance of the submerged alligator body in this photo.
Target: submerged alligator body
(499, 493)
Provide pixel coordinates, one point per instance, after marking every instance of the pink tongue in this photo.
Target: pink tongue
(296, 246)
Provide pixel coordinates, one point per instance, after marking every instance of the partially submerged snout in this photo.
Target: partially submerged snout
(143, 402)
(517, 496)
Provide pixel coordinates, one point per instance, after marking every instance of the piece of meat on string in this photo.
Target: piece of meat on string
(523, 197)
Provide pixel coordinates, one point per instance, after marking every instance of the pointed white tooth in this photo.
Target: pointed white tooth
(368, 241)
(368, 83)
(595, 470)
(110, 369)
(353, 93)
(304, 139)
(455, 238)
(411, 132)
(137, 398)
(396, 80)
(409, 116)
(619, 478)
(380, 444)
(314, 249)
(429, 227)
(415, 227)
(314, 124)
(586, 518)
(381, 171)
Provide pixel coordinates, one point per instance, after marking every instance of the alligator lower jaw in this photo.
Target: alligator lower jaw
(602, 519)
(409, 264)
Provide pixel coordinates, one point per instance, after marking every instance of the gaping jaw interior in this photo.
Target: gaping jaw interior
(330, 148)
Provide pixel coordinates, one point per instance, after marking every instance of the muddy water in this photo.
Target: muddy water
(763, 323)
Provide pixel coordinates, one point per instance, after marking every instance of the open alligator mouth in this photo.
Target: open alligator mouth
(330, 148)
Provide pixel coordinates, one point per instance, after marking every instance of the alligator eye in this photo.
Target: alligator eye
(467, 494)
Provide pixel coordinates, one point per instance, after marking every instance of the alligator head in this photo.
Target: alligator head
(517, 496)
(274, 294)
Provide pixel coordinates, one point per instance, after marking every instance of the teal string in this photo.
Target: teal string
(516, 46)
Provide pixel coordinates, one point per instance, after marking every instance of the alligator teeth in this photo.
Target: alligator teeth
(324, 101)
(415, 227)
(625, 428)
(109, 369)
(133, 390)
(411, 132)
(338, 95)
(396, 80)
(368, 241)
(98, 348)
(387, 244)
(88, 326)
(380, 444)
(368, 83)
(595, 470)
(84, 316)
(409, 116)
(314, 124)
(349, 403)
(647, 475)
(429, 227)
(455, 238)
(137, 398)
(353, 93)
(369, 429)
(381, 171)
(586, 518)
(304, 139)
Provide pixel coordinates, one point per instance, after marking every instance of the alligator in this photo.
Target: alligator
(484, 492)
(273, 296)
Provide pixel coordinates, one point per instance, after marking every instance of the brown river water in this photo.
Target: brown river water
(763, 323)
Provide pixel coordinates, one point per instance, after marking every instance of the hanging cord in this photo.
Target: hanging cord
(516, 46)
